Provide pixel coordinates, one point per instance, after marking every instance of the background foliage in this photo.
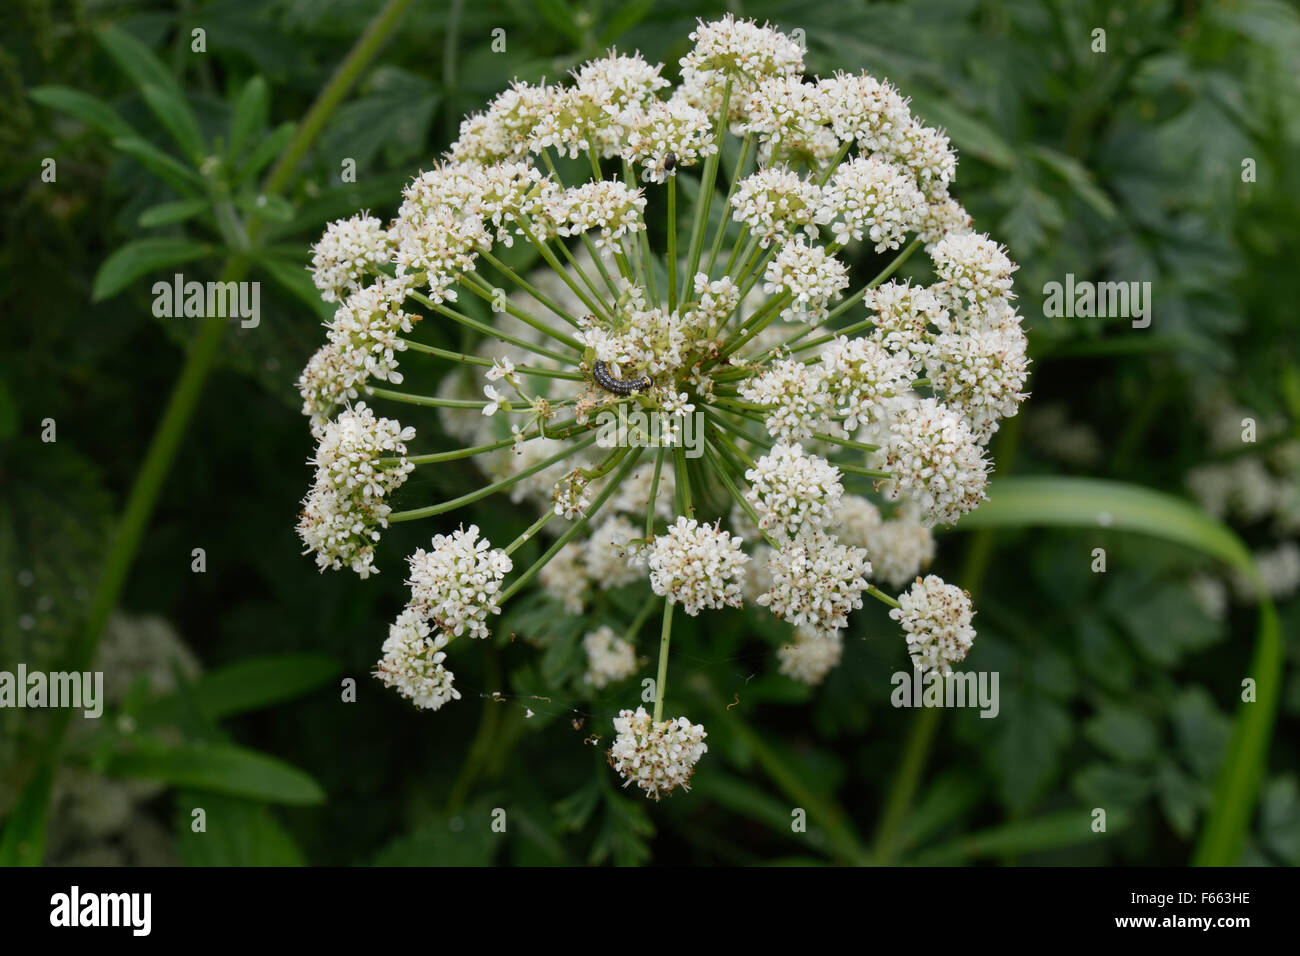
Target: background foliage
(1118, 690)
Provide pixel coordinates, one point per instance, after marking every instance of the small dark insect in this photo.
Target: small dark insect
(670, 162)
(616, 385)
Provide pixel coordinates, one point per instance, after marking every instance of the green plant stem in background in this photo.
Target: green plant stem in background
(916, 750)
(25, 844)
(665, 639)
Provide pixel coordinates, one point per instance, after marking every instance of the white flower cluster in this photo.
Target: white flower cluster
(934, 461)
(363, 340)
(657, 757)
(697, 566)
(816, 582)
(455, 584)
(936, 619)
(809, 275)
(903, 383)
(789, 489)
(350, 251)
(610, 658)
(413, 662)
(360, 460)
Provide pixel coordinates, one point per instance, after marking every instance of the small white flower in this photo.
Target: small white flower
(657, 757)
(936, 618)
(610, 658)
(816, 582)
(455, 583)
(809, 276)
(809, 658)
(413, 663)
(790, 489)
(697, 566)
(935, 462)
(496, 401)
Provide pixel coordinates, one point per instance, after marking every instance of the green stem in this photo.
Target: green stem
(665, 638)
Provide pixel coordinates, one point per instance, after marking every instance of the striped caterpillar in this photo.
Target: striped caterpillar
(616, 385)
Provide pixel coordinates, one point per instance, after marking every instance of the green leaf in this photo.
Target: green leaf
(250, 117)
(236, 832)
(1051, 832)
(175, 114)
(1078, 178)
(175, 173)
(247, 685)
(141, 256)
(137, 61)
(558, 15)
(169, 213)
(466, 839)
(223, 768)
(84, 107)
(1095, 503)
(1123, 733)
(262, 206)
(268, 149)
(1087, 502)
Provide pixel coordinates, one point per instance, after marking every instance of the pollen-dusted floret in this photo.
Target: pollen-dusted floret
(816, 582)
(980, 374)
(906, 318)
(502, 131)
(455, 584)
(809, 276)
(870, 197)
(865, 379)
(413, 662)
(584, 115)
(697, 566)
(973, 267)
(360, 460)
(350, 251)
(665, 136)
(607, 206)
(789, 489)
(934, 461)
(797, 398)
(744, 48)
(775, 202)
(936, 619)
(657, 757)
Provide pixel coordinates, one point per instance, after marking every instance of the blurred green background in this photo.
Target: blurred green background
(1171, 157)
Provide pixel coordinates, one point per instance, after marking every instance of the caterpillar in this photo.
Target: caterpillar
(616, 385)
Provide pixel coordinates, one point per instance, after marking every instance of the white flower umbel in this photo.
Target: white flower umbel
(809, 658)
(350, 251)
(658, 756)
(697, 566)
(789, 489)
(413, 662)
(610, 658)
(936, 619)
(808, 276)
(737, 356)
(816, 582)
(873, 198)
(455, 583)
(935, 461)
(360, 460)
